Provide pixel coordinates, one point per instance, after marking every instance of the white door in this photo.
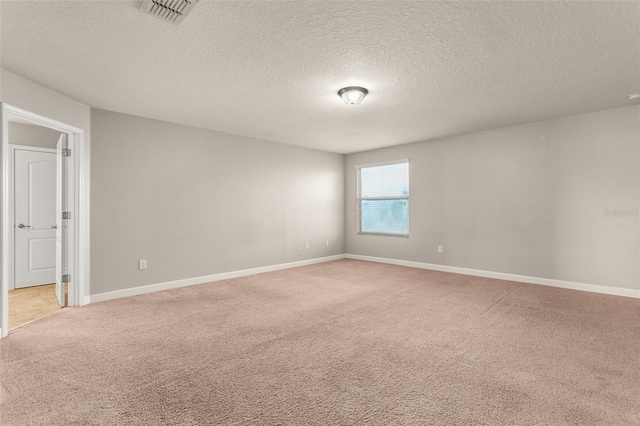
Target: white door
(35, 217)
(61, 227)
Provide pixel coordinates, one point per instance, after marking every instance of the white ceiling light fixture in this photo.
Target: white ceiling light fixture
(634, 97)
(174, 11)
(353, 95)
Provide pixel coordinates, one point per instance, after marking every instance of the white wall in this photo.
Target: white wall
(27, 135)
(195, 202)
(528, 200)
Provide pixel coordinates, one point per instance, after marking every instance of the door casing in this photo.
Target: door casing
(78, 204)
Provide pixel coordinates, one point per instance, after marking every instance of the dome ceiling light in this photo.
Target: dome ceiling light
(353, 95)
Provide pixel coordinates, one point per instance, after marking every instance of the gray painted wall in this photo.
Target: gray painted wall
(529, 200)
(195, 202)
(26, 135)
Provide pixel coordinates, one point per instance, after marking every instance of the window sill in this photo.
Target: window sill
(384, 235)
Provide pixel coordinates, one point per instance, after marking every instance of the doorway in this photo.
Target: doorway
(32, 292)
(42, 184)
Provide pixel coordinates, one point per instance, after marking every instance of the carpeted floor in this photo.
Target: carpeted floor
(339, 343)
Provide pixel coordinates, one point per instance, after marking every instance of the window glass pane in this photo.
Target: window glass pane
(385, 216)
(384, 181)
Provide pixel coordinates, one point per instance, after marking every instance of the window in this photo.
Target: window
(383, 199)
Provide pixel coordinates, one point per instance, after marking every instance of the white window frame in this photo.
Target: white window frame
(359, 198)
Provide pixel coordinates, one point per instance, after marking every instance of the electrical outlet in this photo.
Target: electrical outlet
(306, 245)
(326, 243)
(439, 249)
(142, 264)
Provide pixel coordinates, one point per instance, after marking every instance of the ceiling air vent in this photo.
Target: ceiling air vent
(173, 11)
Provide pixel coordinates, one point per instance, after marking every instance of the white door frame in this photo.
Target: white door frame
(12, 199)
(78, 204)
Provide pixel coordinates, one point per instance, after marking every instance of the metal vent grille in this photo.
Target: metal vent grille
(173, 11)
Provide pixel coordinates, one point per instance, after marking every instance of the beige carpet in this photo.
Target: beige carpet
(340, 343)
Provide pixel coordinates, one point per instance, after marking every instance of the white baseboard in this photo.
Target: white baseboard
(616, 291)
(151, 288)
(135, 291)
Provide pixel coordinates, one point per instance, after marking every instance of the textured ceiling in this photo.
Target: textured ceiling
(271, 69)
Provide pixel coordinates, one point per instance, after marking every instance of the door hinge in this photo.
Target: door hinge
(66, 152)
(66, 278)
(66, 215)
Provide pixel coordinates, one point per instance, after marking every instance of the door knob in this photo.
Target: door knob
(22, 225)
